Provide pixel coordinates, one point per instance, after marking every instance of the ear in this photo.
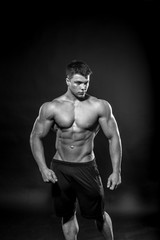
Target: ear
(67, 81)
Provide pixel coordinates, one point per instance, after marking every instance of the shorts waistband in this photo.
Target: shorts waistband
(74, 164)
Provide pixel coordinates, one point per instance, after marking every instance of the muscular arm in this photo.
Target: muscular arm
(110, 129)
(40, 129)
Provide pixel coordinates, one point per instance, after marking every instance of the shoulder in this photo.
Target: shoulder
(52, 105)
(101, 105)
(105, 105)
(48, 109)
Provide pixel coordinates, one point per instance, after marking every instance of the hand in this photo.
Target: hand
(113, 181)
(48, 175)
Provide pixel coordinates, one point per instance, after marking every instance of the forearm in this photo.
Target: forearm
(38, 151)
(115, 149)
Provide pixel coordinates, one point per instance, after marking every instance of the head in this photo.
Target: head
(77, 78)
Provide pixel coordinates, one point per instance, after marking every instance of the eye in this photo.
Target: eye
(77, 83)
(86, 83)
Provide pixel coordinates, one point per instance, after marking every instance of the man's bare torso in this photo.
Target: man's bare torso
(76, 125)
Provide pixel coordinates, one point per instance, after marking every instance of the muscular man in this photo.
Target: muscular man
(76, 118)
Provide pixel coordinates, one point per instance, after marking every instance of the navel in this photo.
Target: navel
(72, 146)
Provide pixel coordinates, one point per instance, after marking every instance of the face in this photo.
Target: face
(78, 85)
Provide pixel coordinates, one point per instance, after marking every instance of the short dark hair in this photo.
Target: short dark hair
(77, 67)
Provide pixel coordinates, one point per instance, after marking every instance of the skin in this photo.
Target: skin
(77, 118)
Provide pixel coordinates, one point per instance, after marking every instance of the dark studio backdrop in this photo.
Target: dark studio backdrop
(121, 48)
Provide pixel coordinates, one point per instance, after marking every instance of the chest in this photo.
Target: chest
(82, 116)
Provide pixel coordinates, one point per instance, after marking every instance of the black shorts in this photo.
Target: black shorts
(77, 181)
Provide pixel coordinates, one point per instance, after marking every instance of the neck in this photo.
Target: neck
(70, 96)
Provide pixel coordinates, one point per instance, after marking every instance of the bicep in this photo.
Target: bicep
(41, 128)
(108, 122)
(109, 126)
(42, 124)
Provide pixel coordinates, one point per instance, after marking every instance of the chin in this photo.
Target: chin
(81, 96)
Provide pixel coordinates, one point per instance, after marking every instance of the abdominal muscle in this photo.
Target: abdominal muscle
(74, 146)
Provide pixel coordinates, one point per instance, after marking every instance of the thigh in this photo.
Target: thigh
(63, 194)
(90, 193)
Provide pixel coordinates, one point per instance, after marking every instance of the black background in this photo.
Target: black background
(120, 43)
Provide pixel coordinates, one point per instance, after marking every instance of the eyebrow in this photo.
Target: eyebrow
(78, 81)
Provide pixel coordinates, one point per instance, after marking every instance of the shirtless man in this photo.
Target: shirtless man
(76, 118)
